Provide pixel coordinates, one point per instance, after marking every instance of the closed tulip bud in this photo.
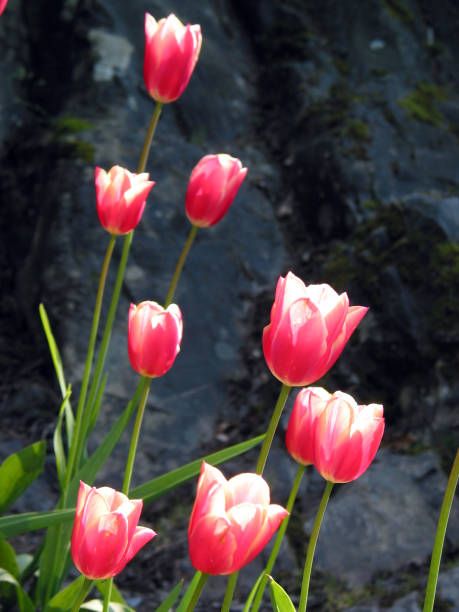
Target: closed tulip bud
(308, 330)
(154, 337)
(105, 533)
(333, 432)
(171, 52)
(231, 521)
(212, 187)
(121, 198)
(3, 4)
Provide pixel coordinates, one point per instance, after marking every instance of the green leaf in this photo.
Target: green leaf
(24, 602)
(8, 559)
(171, 598)
(18, 471)
(280, 601)
(253, 592)
(96, 605)
(55, 355)
(165, 483)
(15, 524)
(115, 596)
(58, 445)
(65, 599)
(186, 599)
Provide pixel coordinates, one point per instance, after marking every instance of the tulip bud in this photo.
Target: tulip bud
(121, 198)
(171, 52)
(105, 534)
(212, 187)
(154, 337)
(335, 434)
(3, 4)
(231, 521)
(308, 330)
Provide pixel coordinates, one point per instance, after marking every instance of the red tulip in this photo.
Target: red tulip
(231, 521)
(333, 432)
(121, 198)
(212, 188)
(154, 337)
(171, 52)
(308, 330)
(105, 533)
(3, 4)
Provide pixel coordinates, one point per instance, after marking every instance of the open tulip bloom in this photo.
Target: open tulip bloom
(231, 521)
(331, 431)
(309, 327)
(105, 533)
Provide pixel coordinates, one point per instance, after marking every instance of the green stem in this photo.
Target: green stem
(278, 540)
(231, 585)
(272, 428)
(312, 546)
(197, 592)
(149, 137)
(179, 266)
(135, 435)
(108, 595)
(79, 433)
(440, 535)
(84, 591)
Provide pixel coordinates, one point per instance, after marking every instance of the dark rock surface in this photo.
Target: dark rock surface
(346, 114)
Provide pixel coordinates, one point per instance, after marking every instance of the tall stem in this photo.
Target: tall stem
(440, 535)
(179, 266)
(197, 592)
(231, 585)
(78, 437)
(272, 428)
(312, 547)
(149, 137)
(135, 435)
(84, 591)
(108, 595)
(279, 537)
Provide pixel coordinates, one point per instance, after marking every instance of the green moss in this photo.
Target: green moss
(398, 10)
(420, 103)
(357, 130)
(370, 205)
(71, 125)
(66, 130)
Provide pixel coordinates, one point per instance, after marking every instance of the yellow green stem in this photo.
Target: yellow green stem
(179, 266)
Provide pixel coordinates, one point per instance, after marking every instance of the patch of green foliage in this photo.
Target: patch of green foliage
(66, 130)
(420, 103)
(399, 10)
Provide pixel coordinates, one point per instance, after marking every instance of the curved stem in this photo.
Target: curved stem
(179, 266)
(84, 591)
(272, 428)
(440, 535)
(197, 592)
(312, 547)
(135, 435)
(231, 585)
(79, 430)
(149, 137)
(279, 537)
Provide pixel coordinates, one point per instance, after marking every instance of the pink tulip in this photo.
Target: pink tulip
(105, 533)
(212, 188)
(3, 4)
(171, 52)
(231, 521)
(308, 330)
(121, 198)
(333, 432)
(154, 337)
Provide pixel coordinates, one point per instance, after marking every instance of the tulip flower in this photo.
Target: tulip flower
(212, 188)
(121, 198)
(105, 533)
(308, 330)
(333, 432)
(3, 4)
(231, 521)
(171, 52)
(154, 337)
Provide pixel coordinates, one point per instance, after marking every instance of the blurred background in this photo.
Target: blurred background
(346, 114)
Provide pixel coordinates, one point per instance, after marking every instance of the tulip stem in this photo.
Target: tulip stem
(84, 591)
(108, 595)
(440, 535)
(179, 266)
(230, 587)
(278, 540)
(149, 137)
(197, 592)
(79, 431)
(135, 435)
(312, 546)
(272, 428)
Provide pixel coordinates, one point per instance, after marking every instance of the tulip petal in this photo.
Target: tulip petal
(249, 488)
(212, 545)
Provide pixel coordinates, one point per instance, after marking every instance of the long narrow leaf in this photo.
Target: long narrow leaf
(280, 601)
(18, 471)
(24, 601)
(186, 599)
(55, 355)
(58, 445)
(65, 599)
(15, 524)
(171, 598)
(165, 483)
